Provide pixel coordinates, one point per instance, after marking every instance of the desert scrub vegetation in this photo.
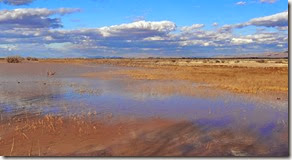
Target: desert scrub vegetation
(32, 59)
(281, 61)
(261, 61)
(14, 59)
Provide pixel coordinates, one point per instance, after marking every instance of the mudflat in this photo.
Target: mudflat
(144, 107)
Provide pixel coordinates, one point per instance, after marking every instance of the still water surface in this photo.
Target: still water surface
(68, 93)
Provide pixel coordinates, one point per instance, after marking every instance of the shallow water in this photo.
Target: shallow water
(67, 93)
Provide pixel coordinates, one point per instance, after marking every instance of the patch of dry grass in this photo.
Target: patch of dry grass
(233, 78)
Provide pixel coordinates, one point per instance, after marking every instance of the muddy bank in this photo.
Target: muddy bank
(47, 135)
(88, 136)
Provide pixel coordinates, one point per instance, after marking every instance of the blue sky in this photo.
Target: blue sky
(249, 23)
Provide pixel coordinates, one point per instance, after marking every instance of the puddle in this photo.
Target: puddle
(67, 93)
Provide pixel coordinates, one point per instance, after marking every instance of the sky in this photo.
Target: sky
(142, 28)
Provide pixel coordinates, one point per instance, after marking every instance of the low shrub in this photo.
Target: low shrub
(14, 59)
(261, 61)
(31, 59)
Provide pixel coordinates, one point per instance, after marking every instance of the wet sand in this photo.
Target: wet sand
(122, 108)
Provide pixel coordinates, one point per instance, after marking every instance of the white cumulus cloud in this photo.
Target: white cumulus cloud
(32, 17)
(268, 1)
(241, 3)
(192, 27)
